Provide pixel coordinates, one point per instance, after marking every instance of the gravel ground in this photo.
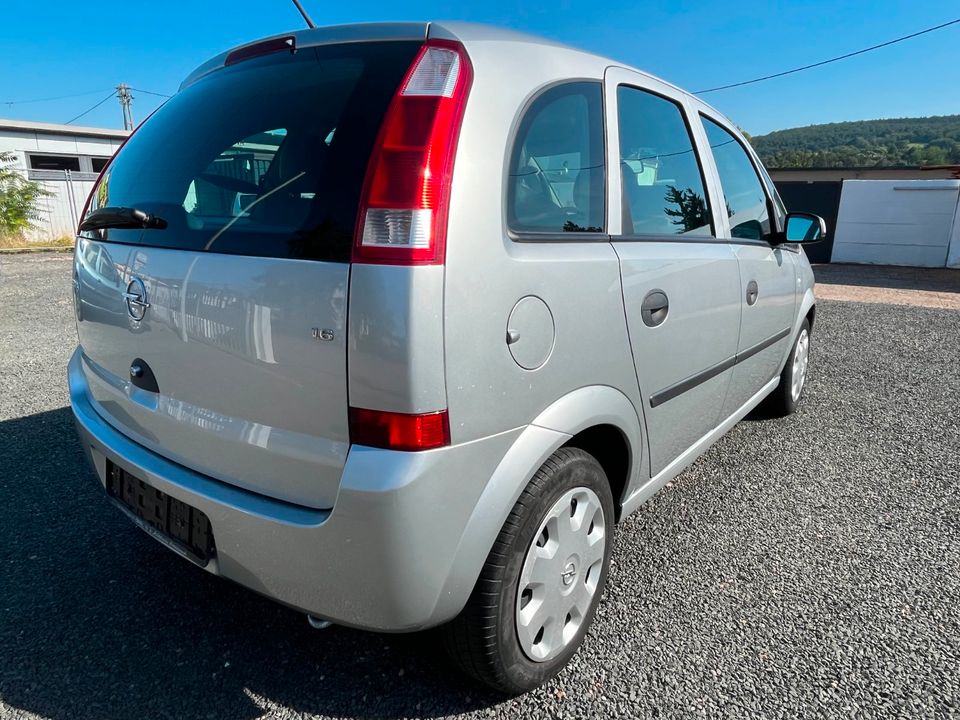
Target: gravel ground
(805, 567)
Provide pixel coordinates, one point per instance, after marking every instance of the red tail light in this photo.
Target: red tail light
(406, 194)
(398, 431)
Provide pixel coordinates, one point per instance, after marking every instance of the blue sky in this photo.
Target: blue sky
(60, 47)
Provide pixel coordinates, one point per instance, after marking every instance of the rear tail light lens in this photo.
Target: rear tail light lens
(409, 228)
(399, 431)
(403, 212)
(435, 73)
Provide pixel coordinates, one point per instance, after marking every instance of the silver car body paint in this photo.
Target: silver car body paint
(251, 426)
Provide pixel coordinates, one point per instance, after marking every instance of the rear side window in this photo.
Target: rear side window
(266, 157)
(661, 176)
(556, 179)
(746, 199)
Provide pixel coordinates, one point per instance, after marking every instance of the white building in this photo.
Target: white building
(66, 161)
(899, 222)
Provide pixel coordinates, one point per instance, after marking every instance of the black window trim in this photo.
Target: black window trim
(774, 216)
(701, 239)
(555, 236)
(661, 237)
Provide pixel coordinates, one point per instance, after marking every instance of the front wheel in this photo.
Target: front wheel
(784, 400)
(539, 589)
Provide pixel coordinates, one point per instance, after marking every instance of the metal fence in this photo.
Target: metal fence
(58, 213)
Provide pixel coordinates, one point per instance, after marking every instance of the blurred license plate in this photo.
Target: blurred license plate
(181, 524)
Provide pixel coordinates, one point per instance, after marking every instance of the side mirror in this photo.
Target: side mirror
(804, 228)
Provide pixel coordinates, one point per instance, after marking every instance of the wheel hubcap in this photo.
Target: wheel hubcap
(801, 356)
(560, 574)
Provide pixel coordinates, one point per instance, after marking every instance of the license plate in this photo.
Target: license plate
(183, 525)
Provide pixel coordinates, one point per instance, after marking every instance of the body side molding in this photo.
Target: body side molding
(691, 382)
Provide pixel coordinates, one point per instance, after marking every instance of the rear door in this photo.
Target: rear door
(768, 274)
(219, 341)
(681, 284)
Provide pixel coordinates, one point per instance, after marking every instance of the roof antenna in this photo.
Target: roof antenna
(306, 18)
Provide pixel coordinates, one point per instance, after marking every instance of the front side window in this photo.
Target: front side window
(556, 181)
(779, 208)
(662, 180)
(745, 197)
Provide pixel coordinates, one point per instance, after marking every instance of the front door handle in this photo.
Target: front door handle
(753, 292)
(654, 308)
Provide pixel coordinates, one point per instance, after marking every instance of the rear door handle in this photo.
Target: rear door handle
(753, 292)
(654, 308)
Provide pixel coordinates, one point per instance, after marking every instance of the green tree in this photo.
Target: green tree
(691, 210)
(18, 198)
(864, 143)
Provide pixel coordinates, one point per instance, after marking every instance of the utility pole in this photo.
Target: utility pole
(126, 105)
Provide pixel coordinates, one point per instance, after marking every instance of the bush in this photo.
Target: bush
(18, 199)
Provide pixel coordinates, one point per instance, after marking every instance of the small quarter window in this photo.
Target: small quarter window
(557, 182)
(661, 176)
(746, 200)
(779, 208)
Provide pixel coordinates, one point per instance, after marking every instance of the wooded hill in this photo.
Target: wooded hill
(864, 143)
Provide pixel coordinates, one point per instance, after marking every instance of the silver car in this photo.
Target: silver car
(393, 323)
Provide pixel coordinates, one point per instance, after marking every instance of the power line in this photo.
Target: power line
(74, 95)
(148, 92)
(50, 99)
(91, 109)
(123, 92)
(831, 60)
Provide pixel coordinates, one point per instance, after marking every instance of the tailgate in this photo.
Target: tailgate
(243, 391)
(216, 336)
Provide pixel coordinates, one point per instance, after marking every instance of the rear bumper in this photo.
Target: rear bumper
(389, 555)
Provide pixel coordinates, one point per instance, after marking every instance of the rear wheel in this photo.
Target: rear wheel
(539, 589)
(785, 399)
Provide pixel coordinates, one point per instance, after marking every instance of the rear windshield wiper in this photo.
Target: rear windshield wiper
(121, 217)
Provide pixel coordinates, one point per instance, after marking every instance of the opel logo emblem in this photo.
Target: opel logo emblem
(136, 297)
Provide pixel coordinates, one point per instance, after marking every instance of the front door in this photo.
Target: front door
(681, 284)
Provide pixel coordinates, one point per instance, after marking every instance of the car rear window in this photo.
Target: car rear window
(266, 157)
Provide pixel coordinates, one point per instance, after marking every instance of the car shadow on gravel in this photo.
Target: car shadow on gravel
(98, 620)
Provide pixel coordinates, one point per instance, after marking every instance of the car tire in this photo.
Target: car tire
(784, 400)
(562, 526)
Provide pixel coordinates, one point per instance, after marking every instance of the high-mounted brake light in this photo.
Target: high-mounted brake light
(406, 195)
(399, 431)
(265, 47)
